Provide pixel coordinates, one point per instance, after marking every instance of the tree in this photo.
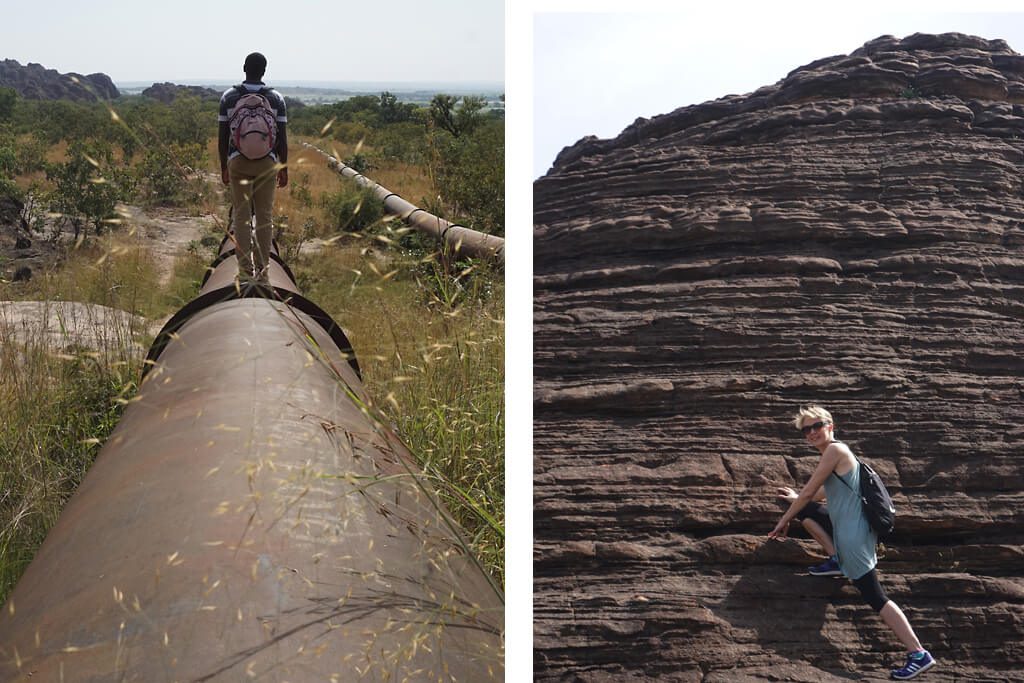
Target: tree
(442, 113)
(84, 193)
(359, 108)
(393, 111)
(469, 115)
(457, 121)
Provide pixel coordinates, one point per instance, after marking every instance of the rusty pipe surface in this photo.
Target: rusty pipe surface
(252, 517)
(458, 238)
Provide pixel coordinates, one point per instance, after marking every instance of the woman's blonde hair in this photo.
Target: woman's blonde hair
(816, 412)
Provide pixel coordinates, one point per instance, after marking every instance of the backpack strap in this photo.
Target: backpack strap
(844, 483)
(243, 91)
(840, 478)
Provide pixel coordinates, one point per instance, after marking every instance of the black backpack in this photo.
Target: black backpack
(878, 507)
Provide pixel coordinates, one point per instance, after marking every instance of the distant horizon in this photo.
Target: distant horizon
(369, 85)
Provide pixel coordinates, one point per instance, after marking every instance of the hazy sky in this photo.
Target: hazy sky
(189, 40)
(595, 73)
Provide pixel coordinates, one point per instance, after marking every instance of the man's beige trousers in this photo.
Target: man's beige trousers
(252, 187)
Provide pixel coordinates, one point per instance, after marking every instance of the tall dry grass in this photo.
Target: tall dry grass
(430, 341)
(66, 372)
(431, 348)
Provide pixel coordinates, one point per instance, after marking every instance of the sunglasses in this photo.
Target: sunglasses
(813, 428)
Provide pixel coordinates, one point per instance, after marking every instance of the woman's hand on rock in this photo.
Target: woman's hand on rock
(780, 531)
(786, 493)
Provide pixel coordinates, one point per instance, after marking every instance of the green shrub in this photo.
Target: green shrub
(402, 142)
(349, 132)
(31, 155)
(8, 167)
(360, 163)
(352, 209)
(186, 121)
(167, 174)
(88, 185)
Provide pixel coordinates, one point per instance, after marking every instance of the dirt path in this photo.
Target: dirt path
(167, 233)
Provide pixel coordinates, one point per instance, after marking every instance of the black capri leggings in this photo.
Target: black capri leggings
(871, 590)
(868, 584)
(817, 512)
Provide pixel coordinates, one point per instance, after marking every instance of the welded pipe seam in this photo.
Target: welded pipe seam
(250, 291)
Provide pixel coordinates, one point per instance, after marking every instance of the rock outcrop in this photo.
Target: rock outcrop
(168, 92)
(852, 236)
(35, 82)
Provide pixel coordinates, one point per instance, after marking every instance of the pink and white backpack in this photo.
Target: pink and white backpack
(253, 126)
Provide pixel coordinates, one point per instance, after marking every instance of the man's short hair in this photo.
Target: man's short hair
(816, 412)
(255, 64)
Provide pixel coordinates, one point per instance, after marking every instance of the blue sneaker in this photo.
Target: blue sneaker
(829, 567)
(917, 663)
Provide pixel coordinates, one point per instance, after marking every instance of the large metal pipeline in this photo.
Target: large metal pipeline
(251, 517)
(455, 237)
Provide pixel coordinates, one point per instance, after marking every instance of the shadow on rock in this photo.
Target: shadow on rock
(779, 614)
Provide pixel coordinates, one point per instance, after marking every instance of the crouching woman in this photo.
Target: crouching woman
(842, 530)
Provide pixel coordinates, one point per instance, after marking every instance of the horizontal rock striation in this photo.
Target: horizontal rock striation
(853, 236)
(35, 82)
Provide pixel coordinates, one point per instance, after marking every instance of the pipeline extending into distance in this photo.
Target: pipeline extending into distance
(457, 238)
(251, 517)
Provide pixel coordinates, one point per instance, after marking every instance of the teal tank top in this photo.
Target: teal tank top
(853, 537)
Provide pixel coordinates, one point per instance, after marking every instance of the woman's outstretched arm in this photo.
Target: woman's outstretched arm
(825, 467)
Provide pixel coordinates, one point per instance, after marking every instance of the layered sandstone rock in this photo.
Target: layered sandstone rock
(852, 235)
(35, 82)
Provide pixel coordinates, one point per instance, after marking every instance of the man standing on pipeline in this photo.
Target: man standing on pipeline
(253, 150)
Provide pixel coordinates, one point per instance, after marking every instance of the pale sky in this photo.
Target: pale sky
(186, 41)
(595, 73)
